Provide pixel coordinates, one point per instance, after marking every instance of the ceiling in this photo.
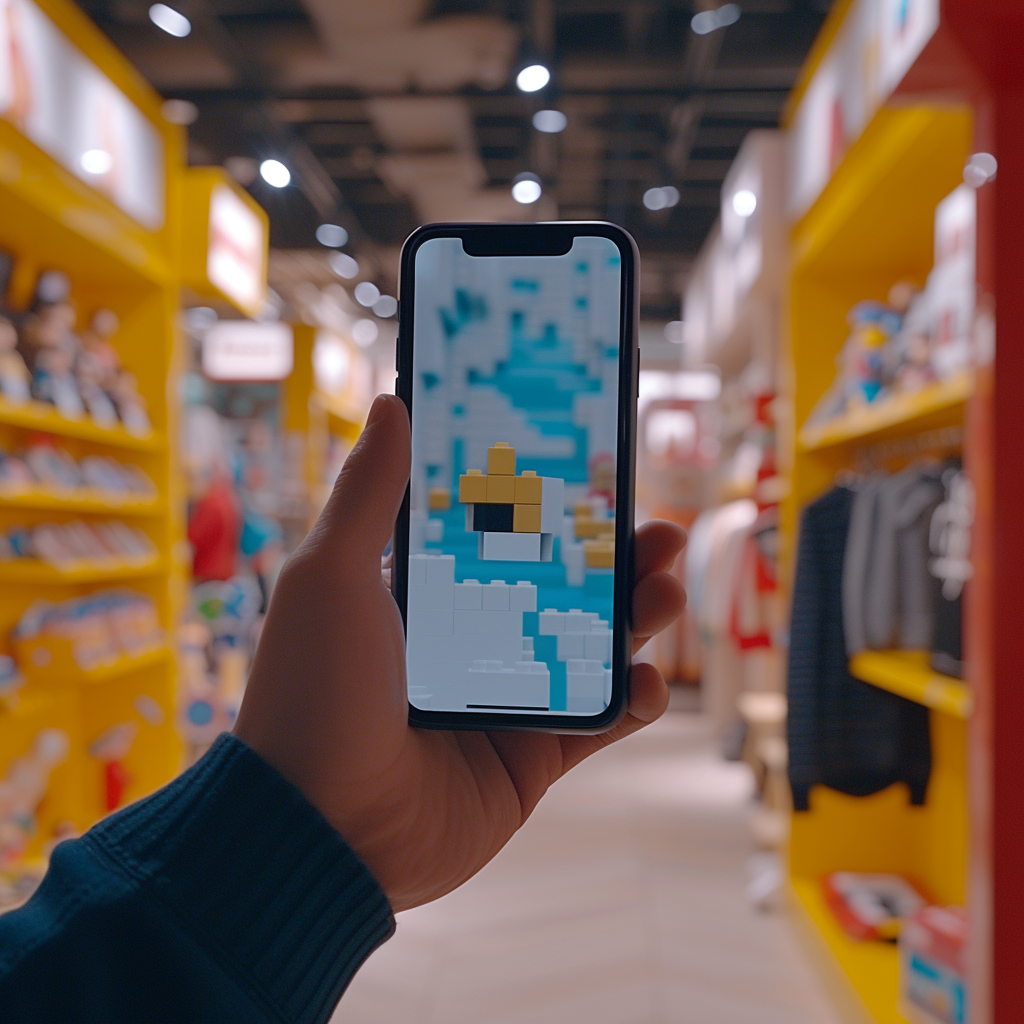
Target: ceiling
(390, 113)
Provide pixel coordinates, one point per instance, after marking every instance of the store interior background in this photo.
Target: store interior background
(811, 185)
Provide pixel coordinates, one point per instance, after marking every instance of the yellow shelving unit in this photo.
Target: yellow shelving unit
(52, 219)
(908, 674)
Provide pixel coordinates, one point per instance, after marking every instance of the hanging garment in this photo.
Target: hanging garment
(950, 566)
(857, 559)
(843, 732)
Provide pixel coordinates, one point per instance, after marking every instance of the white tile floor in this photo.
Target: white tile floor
(621, 902)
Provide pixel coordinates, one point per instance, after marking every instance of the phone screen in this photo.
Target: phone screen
(513, 487)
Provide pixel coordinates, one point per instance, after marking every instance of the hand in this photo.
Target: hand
(326, 701)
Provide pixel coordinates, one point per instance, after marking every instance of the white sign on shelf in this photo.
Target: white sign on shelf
(235, 253)
(63, 103)
(244, 350)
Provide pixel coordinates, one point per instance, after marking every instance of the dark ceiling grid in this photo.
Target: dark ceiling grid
(650, 103)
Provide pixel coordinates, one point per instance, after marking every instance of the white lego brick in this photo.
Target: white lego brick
(491, 622)
(430, 609)
(510, 547)
(574, 560)
(598, 646)
(598, 625)
(552, 504)
(528, 646)
(551, 622)
(439, 664)
(585, 667)
(417, 529)
(577, 621)
(418, 569)
(434, 531)
(570, 645)
(507, 687)
(585, 688)
(440, 570)
(531, 667)
(495, 596)
(522, 597)
(468, 595)
(485, 665)
(568, 532)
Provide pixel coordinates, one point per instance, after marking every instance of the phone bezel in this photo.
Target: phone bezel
(540, 239)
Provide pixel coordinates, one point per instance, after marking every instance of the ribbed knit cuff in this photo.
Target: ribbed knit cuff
(257, 875)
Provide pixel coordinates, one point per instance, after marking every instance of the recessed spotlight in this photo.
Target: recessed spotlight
(332, 235)
(364, 332)
(532, 78)
(343, 265)
(550, 121)
(170, 20)
(366, 293)
(744, 202)
(980, 168)
(707, 21)
(275, 173)
(385, 306)
(96, 161)
(674, 331)
(179, 112)
(526, 188)
(663, 198)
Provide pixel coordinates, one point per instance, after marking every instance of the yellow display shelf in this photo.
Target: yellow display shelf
(42, 417)
(32, 571)
(864, 976)
(344, 419)
(935, 406)
(124, 666)
(908, 674)
(81, 501)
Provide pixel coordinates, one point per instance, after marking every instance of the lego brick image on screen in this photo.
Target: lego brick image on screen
(515, 382)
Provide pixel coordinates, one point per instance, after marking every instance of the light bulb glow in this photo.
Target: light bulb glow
(744, 202)
(96, 161)
(526, 191)
(532, 78)
(550, 121)
(663, 198)
(343, 265)
(332, 235)
(364, 332)
(366, 293)
(385, 306)
(707, 21)
(275, 173)
(170, 20)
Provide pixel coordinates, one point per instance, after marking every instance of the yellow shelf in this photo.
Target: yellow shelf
(42, 417)
(80, 501)
(937, 405)
(105, 673)
(868, 971)
(908, 674)
(343, 419)
(32, 571)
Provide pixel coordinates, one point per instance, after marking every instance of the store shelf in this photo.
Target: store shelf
(344, 419)
(938, 405)
(81, 501)
(31, 571)
(868, 970)
(122, 667)
(908, 674)
(38, 416)
(25, 705)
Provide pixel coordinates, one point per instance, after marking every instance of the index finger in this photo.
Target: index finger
(658, 543)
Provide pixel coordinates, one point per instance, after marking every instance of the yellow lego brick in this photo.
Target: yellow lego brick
(528, 488)
(592, 527)
(526, 519)
(599, 554)
(501, 460)
(501, 490)
(472, 487)
(582, 510)
(439, 499)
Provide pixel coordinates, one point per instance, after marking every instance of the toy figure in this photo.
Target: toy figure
(90, 374)
(131, 406)
(110, 749)
(22, 789)
(52, 382)
(96, 341)
(14, 375)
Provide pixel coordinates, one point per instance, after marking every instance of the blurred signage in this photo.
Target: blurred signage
(235, 254)
(63, 103)
(875, 47)
(244, 350)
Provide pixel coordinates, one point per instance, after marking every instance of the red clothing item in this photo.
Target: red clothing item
(213, 532)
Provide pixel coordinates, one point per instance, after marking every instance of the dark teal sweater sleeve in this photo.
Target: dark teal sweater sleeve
(225, 896)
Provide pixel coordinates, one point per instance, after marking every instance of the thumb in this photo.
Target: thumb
(359, 516)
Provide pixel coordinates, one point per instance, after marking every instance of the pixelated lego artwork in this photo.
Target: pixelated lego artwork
(512, 517)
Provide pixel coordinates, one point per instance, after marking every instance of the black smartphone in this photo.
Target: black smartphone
(513, 567)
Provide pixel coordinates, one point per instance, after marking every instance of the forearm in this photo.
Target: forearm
(225, 895)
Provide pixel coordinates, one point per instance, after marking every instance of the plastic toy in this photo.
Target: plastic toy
(90, 376)
(14, 375)
(131, 406)
(52, 382)
(110, 749)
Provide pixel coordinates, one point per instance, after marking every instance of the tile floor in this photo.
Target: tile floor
(620, 902)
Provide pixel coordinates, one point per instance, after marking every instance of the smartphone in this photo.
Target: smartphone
(517, 358)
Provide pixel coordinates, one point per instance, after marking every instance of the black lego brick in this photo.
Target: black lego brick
(488, 518)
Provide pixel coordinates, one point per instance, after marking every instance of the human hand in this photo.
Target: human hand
(326, 700)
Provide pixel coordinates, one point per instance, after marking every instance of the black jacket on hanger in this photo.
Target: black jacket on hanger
(843, 733)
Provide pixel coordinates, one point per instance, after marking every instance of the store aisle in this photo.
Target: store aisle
(622, 902)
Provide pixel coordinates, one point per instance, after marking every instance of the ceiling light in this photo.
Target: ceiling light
(535, 77)
(332, 235)
(674, 331)
(364, 332)
(744, 202)
(179, 112)
(980, 168)
(550, 121)
(96, 161)
(343, 265)
(367, 293)
(385, 306)
(661, 198)
(167, 18)
(275, 173)
(526, 188)
(707, 21)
